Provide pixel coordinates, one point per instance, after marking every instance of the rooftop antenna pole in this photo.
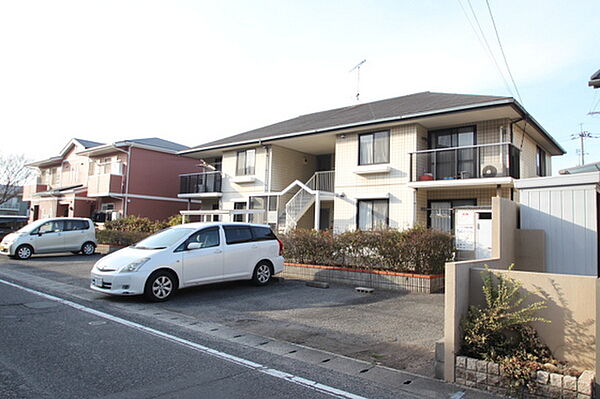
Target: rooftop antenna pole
(357, 68)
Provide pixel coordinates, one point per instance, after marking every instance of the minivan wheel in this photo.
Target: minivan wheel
(262, 273)
(88, 248)
(159, 286)
(24, 252)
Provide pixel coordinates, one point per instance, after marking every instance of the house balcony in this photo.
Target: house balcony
(497, 163)
(200, 185)
(102, 185)
(30, 189)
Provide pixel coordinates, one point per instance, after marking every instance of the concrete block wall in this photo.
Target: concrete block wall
(365, 278)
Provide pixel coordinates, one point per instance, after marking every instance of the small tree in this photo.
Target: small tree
(13, 175)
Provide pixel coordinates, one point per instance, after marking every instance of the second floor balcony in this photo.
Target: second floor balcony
(104, 184)
(196, 184)
(466, 162)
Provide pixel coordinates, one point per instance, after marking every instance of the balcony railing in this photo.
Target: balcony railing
(104, 184)
(195, 183)
(322, 181)
(468, 162)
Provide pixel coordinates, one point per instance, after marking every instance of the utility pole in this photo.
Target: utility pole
(582, 135)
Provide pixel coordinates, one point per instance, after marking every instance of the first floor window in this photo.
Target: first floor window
(245, 162)
(239, 206)
(373, 214)
(441, 215)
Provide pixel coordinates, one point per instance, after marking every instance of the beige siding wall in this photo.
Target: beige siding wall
(403, 139)
(289, 165)
(234, 192)
(528, 154)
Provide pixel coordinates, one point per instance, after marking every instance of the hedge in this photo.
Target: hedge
(120, 238)
(416, 250)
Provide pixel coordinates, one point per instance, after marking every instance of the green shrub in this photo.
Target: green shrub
(120, 238)
(418, 250)
(500, 331)
(136, 223)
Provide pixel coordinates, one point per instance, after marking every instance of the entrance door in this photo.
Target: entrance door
(483, 235)
(36, 212)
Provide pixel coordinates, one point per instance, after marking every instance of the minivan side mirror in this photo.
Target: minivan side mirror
(194, 245)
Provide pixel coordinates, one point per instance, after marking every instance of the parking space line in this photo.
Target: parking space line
(313, 385)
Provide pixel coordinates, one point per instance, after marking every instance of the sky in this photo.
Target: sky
(196, 71)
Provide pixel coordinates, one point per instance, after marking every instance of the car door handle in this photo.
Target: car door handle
(255, 246)
(218, 251)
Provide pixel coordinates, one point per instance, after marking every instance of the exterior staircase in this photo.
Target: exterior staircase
(301, 202)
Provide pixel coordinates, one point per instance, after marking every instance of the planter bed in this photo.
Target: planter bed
(106, 249)
(366, 278)
(488, 376)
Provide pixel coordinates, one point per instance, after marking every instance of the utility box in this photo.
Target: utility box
(566, 208)
(473, 232)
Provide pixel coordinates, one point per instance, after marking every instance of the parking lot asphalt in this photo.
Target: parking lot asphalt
(390, 328)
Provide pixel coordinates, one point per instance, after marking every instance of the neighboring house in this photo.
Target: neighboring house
(595, 80)
(589, 167)
(391, 163)
(15, 206)
(107, 181)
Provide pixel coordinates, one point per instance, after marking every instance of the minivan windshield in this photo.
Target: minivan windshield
(164, 239)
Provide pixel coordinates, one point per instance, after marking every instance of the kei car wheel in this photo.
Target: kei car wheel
(262, 273)
(24, 252)
(88, 248)
(160, 286)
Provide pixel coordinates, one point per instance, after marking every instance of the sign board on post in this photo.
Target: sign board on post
(465, 229)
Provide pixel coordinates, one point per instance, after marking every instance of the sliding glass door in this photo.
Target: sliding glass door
(453, 163)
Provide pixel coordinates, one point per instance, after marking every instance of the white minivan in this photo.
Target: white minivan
(77, 235)
(188, 255)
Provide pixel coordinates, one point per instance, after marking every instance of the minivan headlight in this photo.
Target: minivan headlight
(134, 266)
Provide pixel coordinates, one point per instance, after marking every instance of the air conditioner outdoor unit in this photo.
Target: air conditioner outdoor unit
(114, 215)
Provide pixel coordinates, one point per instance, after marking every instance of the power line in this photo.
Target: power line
(484, 43)
(502, 51)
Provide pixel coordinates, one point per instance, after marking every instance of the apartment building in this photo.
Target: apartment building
(108, 181)
(392, 163)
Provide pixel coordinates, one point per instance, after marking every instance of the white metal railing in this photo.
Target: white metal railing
(302, 200)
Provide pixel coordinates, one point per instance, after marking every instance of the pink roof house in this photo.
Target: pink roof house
(108, 181)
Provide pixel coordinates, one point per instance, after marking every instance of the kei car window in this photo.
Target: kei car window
(207, 238)
(263, 234)
(237, 234)
(52, 227)
(71, 225)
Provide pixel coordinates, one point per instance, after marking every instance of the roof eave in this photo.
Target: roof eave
(539, 127)
(504, 101)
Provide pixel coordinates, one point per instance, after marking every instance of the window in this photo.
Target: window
(453, 163)
(441, 216)
(245, 162)
(239, 205)
(71, 225)
(52, 227)
(207, 238)
(540, 162)
(263, 234)
(374, 148)
(237, 234)
(373, 214)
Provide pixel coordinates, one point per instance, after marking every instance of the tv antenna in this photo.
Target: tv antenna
(357, 68)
